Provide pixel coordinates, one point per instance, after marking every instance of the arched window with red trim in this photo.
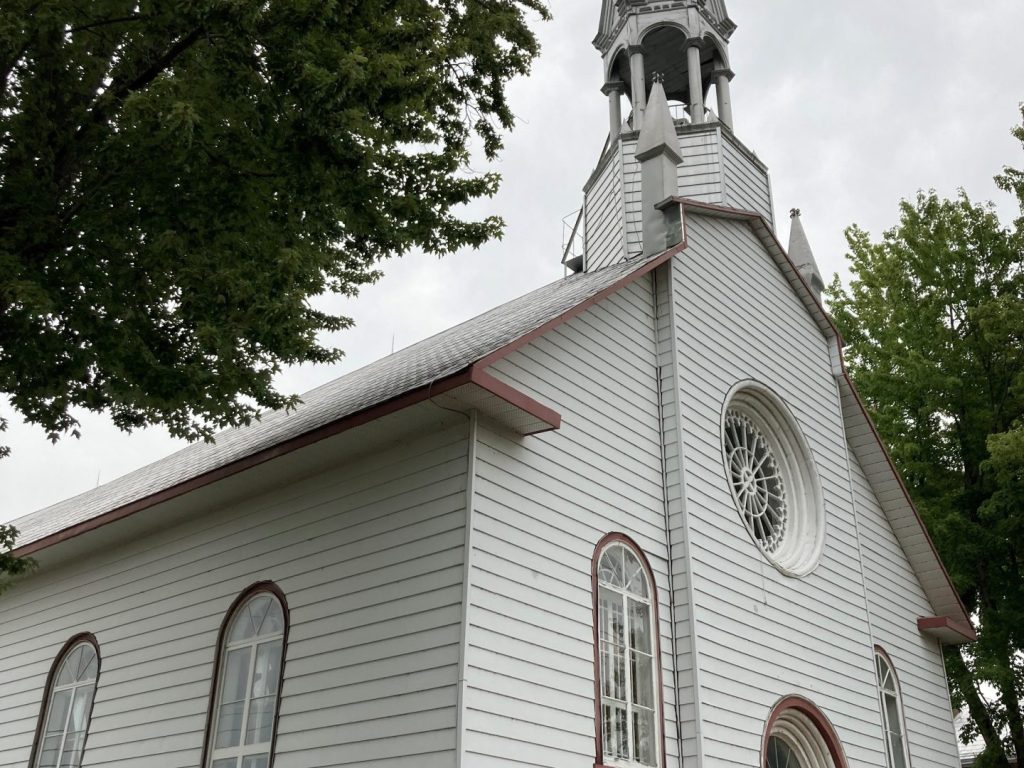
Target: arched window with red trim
(627, 672)
(242, 722)
(891, 703)
(67, 708)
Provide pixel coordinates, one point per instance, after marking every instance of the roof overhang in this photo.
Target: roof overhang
(947, 630)
(472, 389)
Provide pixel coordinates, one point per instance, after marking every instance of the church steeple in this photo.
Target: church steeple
(686, 42)
(670, 59)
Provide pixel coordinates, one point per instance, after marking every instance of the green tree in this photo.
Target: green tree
(178, 179)
(933, 320)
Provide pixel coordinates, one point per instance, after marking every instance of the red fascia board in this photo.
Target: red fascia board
(944, 624)
(470, 375)
(584, 305)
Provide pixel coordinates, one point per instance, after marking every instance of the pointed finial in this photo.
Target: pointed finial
(794, 213)
(658, 77)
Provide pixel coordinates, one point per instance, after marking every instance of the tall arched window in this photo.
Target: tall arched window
(60, 738)
(892, 711)
(247, 690)
(628, 676)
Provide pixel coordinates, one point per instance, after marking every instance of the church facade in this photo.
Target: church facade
(638, 517)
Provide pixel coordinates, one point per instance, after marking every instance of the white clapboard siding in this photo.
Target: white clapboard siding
(541, 505)
(605, 215)
(370, 557)
(760, 635)
(746, 183)
(896, 600)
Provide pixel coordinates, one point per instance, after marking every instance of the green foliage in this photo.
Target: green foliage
(177, 179)
(934, 325)
(10, 566)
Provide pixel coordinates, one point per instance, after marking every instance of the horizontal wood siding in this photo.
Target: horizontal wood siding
(370, 557)
(631, 190)
(746, 186)
(542, 505)
(760, 635)
(896, 600)
(605, 216)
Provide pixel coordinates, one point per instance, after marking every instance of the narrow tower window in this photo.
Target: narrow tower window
(892, 712)
(248, 684)
(628, 674)
(69, 698)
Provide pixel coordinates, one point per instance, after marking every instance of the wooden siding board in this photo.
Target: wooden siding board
(368, 556)
(542, 505)
(738, 318)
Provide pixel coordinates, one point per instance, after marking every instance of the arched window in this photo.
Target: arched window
(798, 735)
(628, 677)
(60, 739)
(247, 689)
(892, 711)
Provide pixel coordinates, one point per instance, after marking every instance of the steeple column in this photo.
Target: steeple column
(638, 83)
(696, 82)
(723, 76)
(614, 91)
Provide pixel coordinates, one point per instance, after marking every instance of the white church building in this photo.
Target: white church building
(638, 518)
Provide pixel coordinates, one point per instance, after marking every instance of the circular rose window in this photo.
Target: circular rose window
(772, 480)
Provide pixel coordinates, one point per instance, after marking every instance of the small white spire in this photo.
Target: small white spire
(659, 154)
(802, 256)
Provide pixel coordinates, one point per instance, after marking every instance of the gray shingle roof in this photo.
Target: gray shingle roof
(435, 358)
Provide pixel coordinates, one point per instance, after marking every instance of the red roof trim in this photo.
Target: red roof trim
(471, 375)
(943, 624)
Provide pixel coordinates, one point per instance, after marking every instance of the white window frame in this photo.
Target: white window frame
(242, 750)
(882, 660)
(53, 689)
(653, 629)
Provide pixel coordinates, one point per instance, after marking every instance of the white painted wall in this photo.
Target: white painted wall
(896, 600)
(745, 185)
(605, 215)
(761, 635)
(370, 557)
(542, 505)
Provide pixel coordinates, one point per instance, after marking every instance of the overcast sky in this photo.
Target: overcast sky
(853, 106)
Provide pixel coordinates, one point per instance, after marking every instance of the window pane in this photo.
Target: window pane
(80, 708)
(643, 684)
(69, 668)
(610, 615)
(229, 725)
(643, 736)
(267, 672)
(274, 623)
(610, 569)
(256, 761)
(72, 755)
(236, 675)
(226, 762)
(258, 608)
(899, 760)
(48, 754)
(639, 626)
(260, 725)
(613, 672)
(616, 735)
(634, 578)
(892, 715)
(58, 713)
(241, 627)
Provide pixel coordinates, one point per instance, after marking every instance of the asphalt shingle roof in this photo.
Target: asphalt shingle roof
(435, 358)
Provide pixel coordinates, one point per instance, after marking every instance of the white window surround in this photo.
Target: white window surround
(628, 669)
(243, 720)
(891, 703)
(65, 720)
(772, 479)
(796, 741)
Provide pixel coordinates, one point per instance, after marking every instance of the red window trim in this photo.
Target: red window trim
(621, 538)
(245, 594)
(81, 637)
(815, 715)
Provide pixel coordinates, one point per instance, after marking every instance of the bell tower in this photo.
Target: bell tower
(665, 63)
